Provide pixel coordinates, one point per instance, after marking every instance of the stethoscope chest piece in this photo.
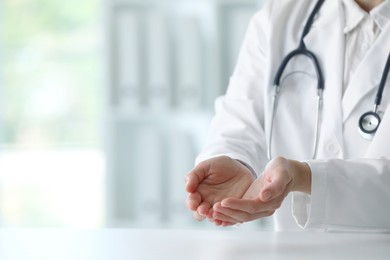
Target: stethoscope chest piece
(368, 124)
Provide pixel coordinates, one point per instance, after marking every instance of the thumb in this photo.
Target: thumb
(195, 177)
(274, 186)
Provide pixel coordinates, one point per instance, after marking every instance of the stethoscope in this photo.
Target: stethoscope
(368, 123)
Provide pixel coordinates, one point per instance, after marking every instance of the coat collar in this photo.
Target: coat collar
(353, 14)
(381, 14)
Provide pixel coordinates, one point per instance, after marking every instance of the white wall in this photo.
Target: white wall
(168, 61)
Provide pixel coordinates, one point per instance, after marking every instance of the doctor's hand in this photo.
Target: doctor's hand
(213, 180)
(266, 194)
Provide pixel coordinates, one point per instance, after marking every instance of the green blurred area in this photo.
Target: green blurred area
(51, 72)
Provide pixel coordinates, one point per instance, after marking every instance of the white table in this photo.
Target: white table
(129, 244)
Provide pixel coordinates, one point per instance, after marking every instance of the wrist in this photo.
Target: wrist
(301, 177)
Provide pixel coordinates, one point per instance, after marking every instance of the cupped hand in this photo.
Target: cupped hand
(266, 194)
(213, 180)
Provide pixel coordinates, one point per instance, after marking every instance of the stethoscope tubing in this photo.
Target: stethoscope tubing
(382, 83)
(317, 124)
(368, 122)
(301, 50)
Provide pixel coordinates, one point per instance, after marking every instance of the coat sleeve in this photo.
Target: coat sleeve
(346, 195)
(237, 129)
(350, 194)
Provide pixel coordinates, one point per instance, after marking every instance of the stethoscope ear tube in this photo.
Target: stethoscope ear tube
(274, 101)
(318, 122)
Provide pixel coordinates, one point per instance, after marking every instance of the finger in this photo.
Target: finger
(210, 215)
(203, 209)
(238, 216)
(193, 201)
(276, 178)
(194, 177)
(223, 223)
(227, 224)
(228, 214)
(218, 216)
(217, 222)
(246, 205)
(197, 216)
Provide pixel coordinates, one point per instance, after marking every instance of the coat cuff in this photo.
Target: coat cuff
(309, 210)
(249, 167)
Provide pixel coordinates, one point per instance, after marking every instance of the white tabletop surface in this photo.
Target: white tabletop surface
(118, 244)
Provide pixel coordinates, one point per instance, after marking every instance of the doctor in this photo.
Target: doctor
(303, 132)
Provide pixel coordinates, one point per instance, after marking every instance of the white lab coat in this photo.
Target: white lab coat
(350, 175)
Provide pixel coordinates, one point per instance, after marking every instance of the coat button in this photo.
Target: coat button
(332, 148)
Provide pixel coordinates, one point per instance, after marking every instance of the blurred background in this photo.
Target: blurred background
(105, 104)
